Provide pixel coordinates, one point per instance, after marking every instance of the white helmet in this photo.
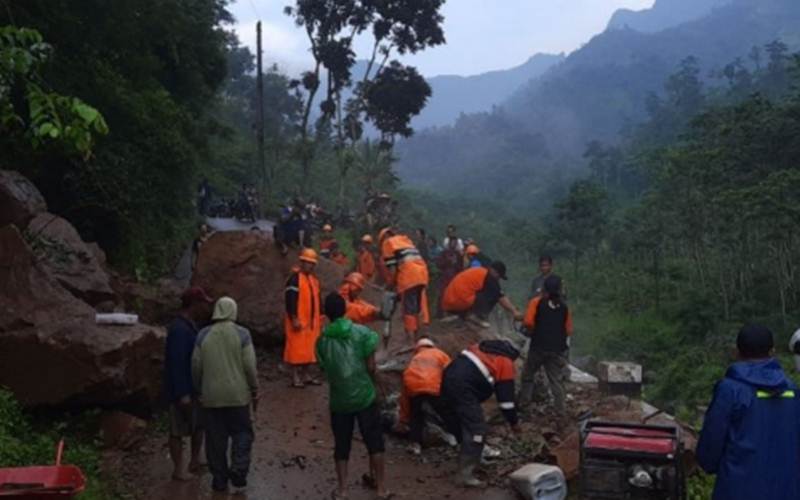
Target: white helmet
(794, 347)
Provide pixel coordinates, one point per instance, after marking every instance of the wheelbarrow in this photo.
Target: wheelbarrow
(44, 482)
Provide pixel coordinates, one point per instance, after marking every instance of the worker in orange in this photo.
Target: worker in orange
(358, 310)
(326, 241)
(408, 275)
(471, 256)
(302, 323)
(366, 259)
(422, 381)
(338, 256)
(474, 292)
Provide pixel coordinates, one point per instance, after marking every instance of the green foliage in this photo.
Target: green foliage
(151, 68)
(32, 118)
(22, 443)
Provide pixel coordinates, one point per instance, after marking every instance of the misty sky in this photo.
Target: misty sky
(482, 35)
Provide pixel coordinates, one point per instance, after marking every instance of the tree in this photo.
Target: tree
(402, 26)
(30, 116)
(582, 217)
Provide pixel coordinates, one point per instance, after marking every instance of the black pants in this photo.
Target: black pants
(369, 425)
(485, 302)
(419, 416)
(466, 417)
(226, 426)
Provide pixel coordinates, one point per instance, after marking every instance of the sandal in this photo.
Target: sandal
(336, 496)
(314, 381)
(297, 385)
(386, 496)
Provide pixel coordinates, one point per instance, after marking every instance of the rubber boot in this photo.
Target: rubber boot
(466, 473)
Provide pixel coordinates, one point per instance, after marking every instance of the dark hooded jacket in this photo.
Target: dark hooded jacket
(751, 434)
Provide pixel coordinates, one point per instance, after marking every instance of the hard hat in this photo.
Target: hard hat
(357, 280)
(473, 250)
(327, 228)
(384, 233)
(794, 347)
(425, 342)
(308, 255)
(367, 238)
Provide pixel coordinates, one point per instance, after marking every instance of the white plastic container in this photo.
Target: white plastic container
(116, 319)
(540, 482)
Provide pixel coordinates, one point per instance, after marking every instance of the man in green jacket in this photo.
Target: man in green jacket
(225, 377)
(346, 353)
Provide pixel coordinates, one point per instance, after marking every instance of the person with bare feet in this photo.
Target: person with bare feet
(346, 353)
(183, 406)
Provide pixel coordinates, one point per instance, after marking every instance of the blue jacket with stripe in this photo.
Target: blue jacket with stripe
(751, 434)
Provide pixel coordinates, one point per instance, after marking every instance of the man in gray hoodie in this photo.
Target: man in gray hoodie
(225, 377)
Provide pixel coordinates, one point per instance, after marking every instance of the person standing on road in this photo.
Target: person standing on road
(408, 276)
(751, 431)
(302, 322)
(545, 271)
(365, 263)
(548, 322)
(449, 264)
(225, 375)
(346, 353)
(184, 410)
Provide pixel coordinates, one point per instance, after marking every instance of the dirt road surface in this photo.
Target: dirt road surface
(293, 454)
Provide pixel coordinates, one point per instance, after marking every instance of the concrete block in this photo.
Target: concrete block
(619, 372)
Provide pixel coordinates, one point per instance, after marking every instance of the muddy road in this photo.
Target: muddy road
(293, 453)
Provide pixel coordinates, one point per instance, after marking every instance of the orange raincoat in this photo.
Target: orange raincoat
(359, 310)
(408, 273)
(366, 263)
(302, 297)
(459, 296)
(422, 376)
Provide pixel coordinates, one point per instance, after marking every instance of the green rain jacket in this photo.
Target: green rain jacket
(342, 351)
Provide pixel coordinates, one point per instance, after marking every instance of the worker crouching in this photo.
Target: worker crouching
(468, 381)
(422, 382)
(475, 292)
(408, 274)
(358, 310)
(302, 320)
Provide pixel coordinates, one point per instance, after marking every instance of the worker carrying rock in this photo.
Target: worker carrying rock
(302, 323)
(358, 310)
(474, 292)
(422, 383)
(548, 322)
(408, 275)
(327, 241)
(471, 378)
(365, 262)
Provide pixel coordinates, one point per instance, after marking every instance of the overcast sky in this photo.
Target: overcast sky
(482, 35)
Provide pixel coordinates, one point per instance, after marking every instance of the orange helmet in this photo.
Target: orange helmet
(308, 255)
(327, 228)
(473, 250)
(357, 280)
(367, 238)
(384, 233)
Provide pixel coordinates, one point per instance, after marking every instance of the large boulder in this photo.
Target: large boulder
(246, 266)
(53, 353)
(155, 303)
(78, 266)
(20, 201)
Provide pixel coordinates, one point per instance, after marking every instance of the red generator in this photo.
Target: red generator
(622, 461)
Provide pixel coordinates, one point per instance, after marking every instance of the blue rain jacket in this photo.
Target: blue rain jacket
(751, 434)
